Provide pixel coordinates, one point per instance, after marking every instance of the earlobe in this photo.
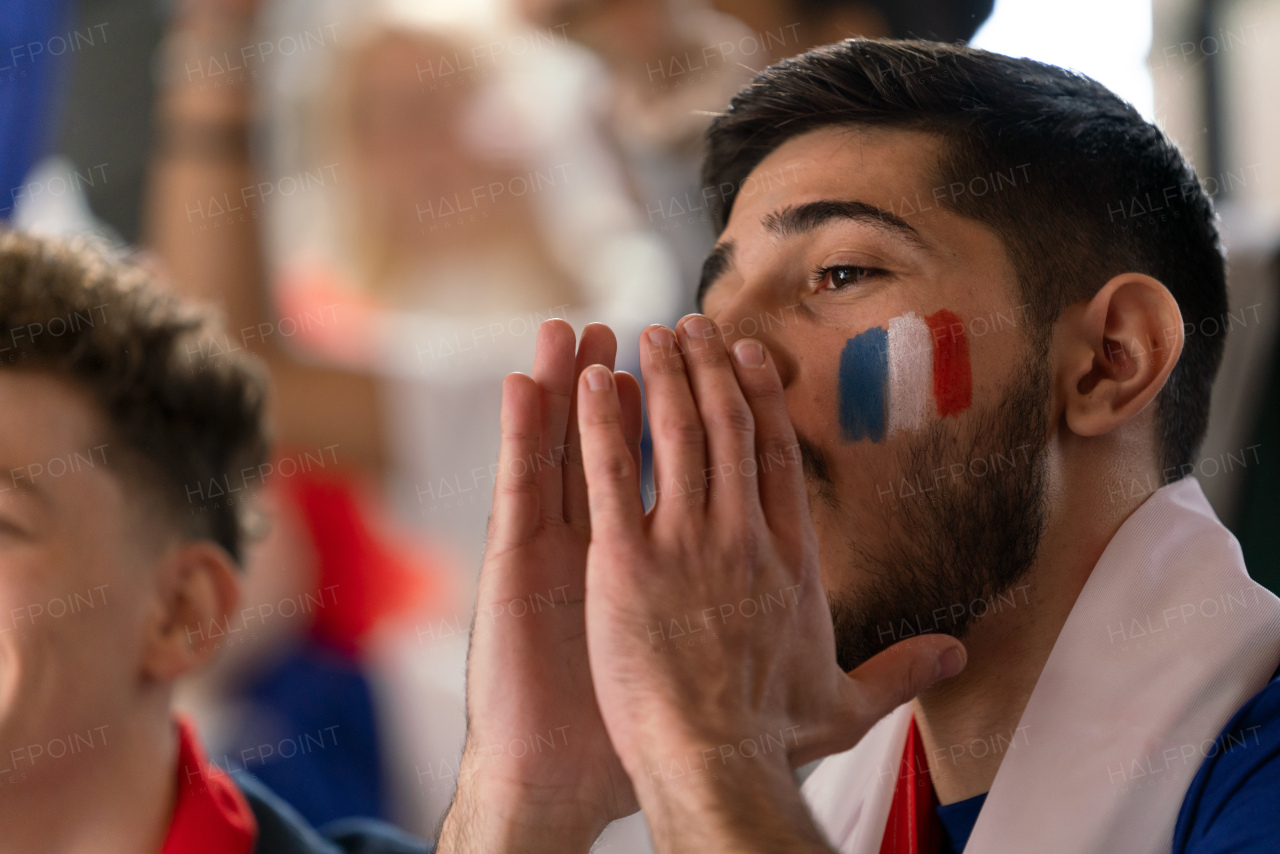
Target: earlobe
(199, 586)
(1119, 349)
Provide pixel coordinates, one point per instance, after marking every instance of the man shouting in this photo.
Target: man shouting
(940, 392)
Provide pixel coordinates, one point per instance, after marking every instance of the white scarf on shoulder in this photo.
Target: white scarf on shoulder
(1168, 638)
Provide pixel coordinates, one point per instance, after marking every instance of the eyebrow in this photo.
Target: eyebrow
(795, 220)
(801, 219)
(717, 264)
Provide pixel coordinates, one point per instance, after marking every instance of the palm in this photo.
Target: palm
(534, 721)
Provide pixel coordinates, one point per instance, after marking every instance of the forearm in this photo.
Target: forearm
(204, 221)
(698, 804)
(198, 220)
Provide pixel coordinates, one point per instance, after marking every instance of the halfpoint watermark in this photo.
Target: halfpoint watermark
(692, 769)
(949, 475)
(939, 619)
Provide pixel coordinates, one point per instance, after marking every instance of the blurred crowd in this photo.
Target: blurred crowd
(384, 200)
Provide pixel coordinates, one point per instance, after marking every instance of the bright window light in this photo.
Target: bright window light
(1109, 40)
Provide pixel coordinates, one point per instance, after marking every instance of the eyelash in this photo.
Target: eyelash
(819, 274)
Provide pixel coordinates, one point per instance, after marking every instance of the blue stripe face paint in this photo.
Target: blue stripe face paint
(864, 374)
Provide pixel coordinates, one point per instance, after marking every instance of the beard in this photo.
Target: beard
(957, 543)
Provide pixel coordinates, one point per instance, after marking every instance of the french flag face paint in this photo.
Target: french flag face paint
(894, 379)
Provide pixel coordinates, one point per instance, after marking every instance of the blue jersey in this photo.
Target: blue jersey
(1233, 803)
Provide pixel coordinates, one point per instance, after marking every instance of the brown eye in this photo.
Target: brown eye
(840, 276)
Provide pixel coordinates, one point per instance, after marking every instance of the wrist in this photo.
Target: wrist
(214, 18)
(672, 743)
(222, 140)
(502, 816)
(730, 795)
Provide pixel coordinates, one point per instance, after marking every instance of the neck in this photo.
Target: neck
(115, 797)
(970, 722)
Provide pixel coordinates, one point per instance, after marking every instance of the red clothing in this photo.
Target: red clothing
(913, 826)
(211, 815)
(368, 574)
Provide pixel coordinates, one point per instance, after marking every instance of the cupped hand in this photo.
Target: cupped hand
(711, 640)
(538, 769)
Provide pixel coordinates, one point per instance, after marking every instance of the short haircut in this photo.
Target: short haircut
(1078, 186)
(73, 312)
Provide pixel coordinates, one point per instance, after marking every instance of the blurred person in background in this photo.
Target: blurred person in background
(466, 204)
(333, 582)
(673, 65)
(827, 21)
(437, 193)
(417, 260)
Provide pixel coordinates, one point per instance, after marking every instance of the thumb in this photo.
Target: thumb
(902, 671)
(879, 686)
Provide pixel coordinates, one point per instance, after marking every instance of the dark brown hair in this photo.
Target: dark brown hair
(71, 310)
(1099, 191)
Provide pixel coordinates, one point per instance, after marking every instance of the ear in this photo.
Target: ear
(1117, 350)
(198, 586)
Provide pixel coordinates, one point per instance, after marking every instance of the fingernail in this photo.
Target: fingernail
(749, 353)
(661, 337)
(598, 378)
(698, 326)
(950, 663)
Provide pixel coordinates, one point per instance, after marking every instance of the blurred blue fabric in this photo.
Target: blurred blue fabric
(312, 736)
(32, 84)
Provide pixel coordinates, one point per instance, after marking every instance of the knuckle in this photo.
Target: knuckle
(731, 418)
(520, 437)
(682, 431)
(777, 450)
(913, 679)
(603, 418)
(767, 392)
(615, 467)
(517, 486)
(745, 546)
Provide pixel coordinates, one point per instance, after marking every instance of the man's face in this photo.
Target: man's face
(915, 385)
(73, 576)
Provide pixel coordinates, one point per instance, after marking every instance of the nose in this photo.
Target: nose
(748, 316)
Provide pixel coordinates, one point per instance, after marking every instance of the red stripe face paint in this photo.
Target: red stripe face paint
(952, 379)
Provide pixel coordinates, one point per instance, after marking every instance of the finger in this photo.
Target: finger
(726, 418)
(679, 443)
(902, 671)
(598, 347)
(629, 398)
(514, 517)
(613, 486)
(554, 374)
(781, 477)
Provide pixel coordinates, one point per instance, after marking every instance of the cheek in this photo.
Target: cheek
(896, 377)
(39, 624)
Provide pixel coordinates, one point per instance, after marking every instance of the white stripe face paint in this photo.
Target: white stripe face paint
(910, 372)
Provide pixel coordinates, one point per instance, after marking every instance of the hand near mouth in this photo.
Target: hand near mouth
(761, 693)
